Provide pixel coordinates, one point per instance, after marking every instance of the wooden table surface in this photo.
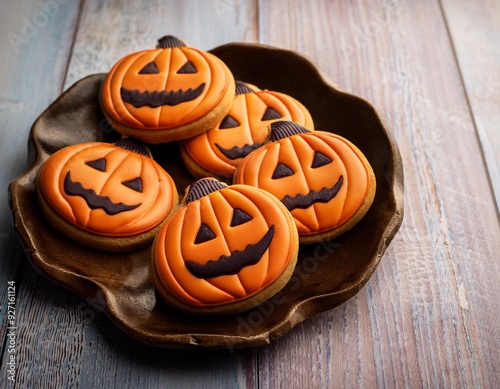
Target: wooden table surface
(429, 316)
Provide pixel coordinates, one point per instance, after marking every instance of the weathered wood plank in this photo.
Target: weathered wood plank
(125, 29)
(69, 343)
(59, 329)
(429, 315)
(474, 27)
(109, 352)
(32, 68)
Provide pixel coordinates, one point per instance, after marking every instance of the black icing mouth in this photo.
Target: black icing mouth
(232, 264)
(157, 99)
(238, 152)
(93, 200)
(305, 201)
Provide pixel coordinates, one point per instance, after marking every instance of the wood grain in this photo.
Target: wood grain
(109, 31)
(429, 315)
(423, 319)
(475, 30)
(27, 86)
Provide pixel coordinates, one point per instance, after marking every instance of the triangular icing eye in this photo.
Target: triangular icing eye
(271, 114)
(320, 159)
(240, 217)
(97, 164)
(134, 184)
(282, 171)
(228, 122)
(204, 234)
(187, 68)
(150, 68)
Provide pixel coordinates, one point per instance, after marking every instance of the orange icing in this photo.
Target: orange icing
(209, 70)
(297, 153)
(248, 110)
(175, 245)
(156, 199)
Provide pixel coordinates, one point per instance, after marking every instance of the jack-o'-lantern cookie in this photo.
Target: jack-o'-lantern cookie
(169, 93)
(218, 151)
(322, 178)
(225, 249)
(111, 197)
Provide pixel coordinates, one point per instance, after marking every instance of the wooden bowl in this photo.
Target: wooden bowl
(121, 285)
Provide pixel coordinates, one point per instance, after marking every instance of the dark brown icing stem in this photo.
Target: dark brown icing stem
(134, 146)
(242, 88)
(202, 188)
(169, 41)
(283, 129)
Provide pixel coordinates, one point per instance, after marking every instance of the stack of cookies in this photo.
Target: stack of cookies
(264, 180)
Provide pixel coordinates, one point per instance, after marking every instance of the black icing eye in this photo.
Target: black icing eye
(134, 184)
(150, 68)
(228, 122)
(282, 171)
(271, 114)
(320, 160)
(240, 217)
(187, 68)
(97, 164)
(204, 234)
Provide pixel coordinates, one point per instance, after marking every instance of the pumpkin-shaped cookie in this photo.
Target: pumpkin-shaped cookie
(225, 249)
(322, 178)
(169, 93)
(218, 151)
(107, 196)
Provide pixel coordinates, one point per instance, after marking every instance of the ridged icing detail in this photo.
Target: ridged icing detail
(133, 145)
(202, 188)
(283, 129)
(169, 41)
(242, 88)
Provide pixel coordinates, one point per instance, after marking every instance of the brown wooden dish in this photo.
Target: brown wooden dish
(326, 275)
